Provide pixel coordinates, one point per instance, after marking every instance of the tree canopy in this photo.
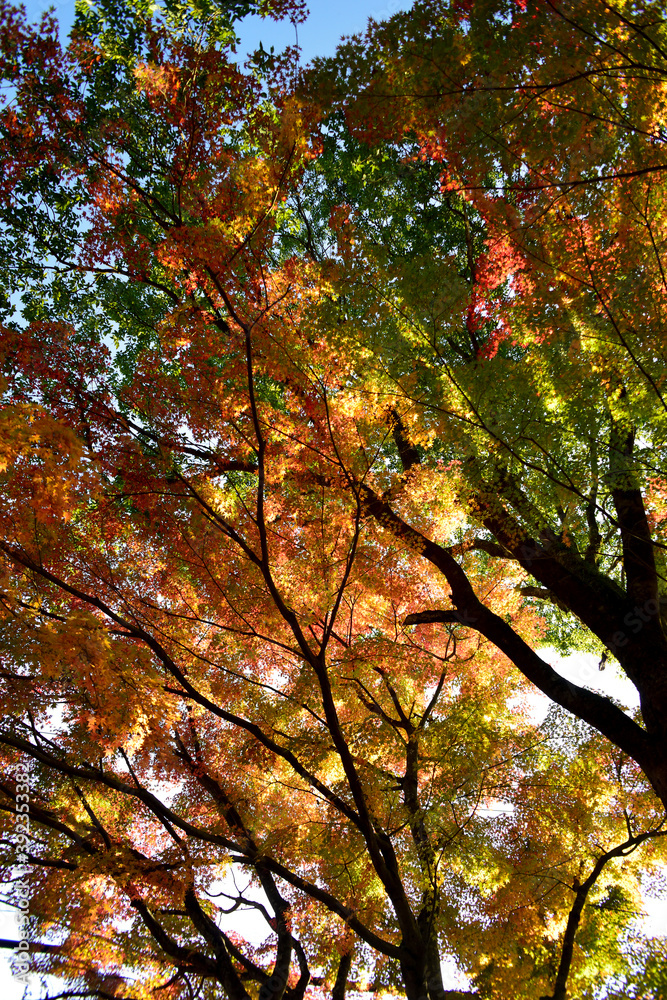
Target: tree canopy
(331, 398)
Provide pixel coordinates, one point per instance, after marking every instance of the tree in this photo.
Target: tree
(214, 654)
(529, 353)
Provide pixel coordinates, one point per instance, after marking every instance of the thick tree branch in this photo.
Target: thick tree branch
(226, 972)
(340, 984)
(638, 555)
(592, 708)
(407, 452)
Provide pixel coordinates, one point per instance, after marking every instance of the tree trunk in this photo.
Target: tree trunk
(413, 971)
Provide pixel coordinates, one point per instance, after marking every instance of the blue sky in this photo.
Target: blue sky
(328, 21)
(326, 24)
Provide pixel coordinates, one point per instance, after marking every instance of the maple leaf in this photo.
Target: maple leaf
(316, 412)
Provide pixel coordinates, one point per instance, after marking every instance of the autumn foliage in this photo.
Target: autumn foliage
(330, 399)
